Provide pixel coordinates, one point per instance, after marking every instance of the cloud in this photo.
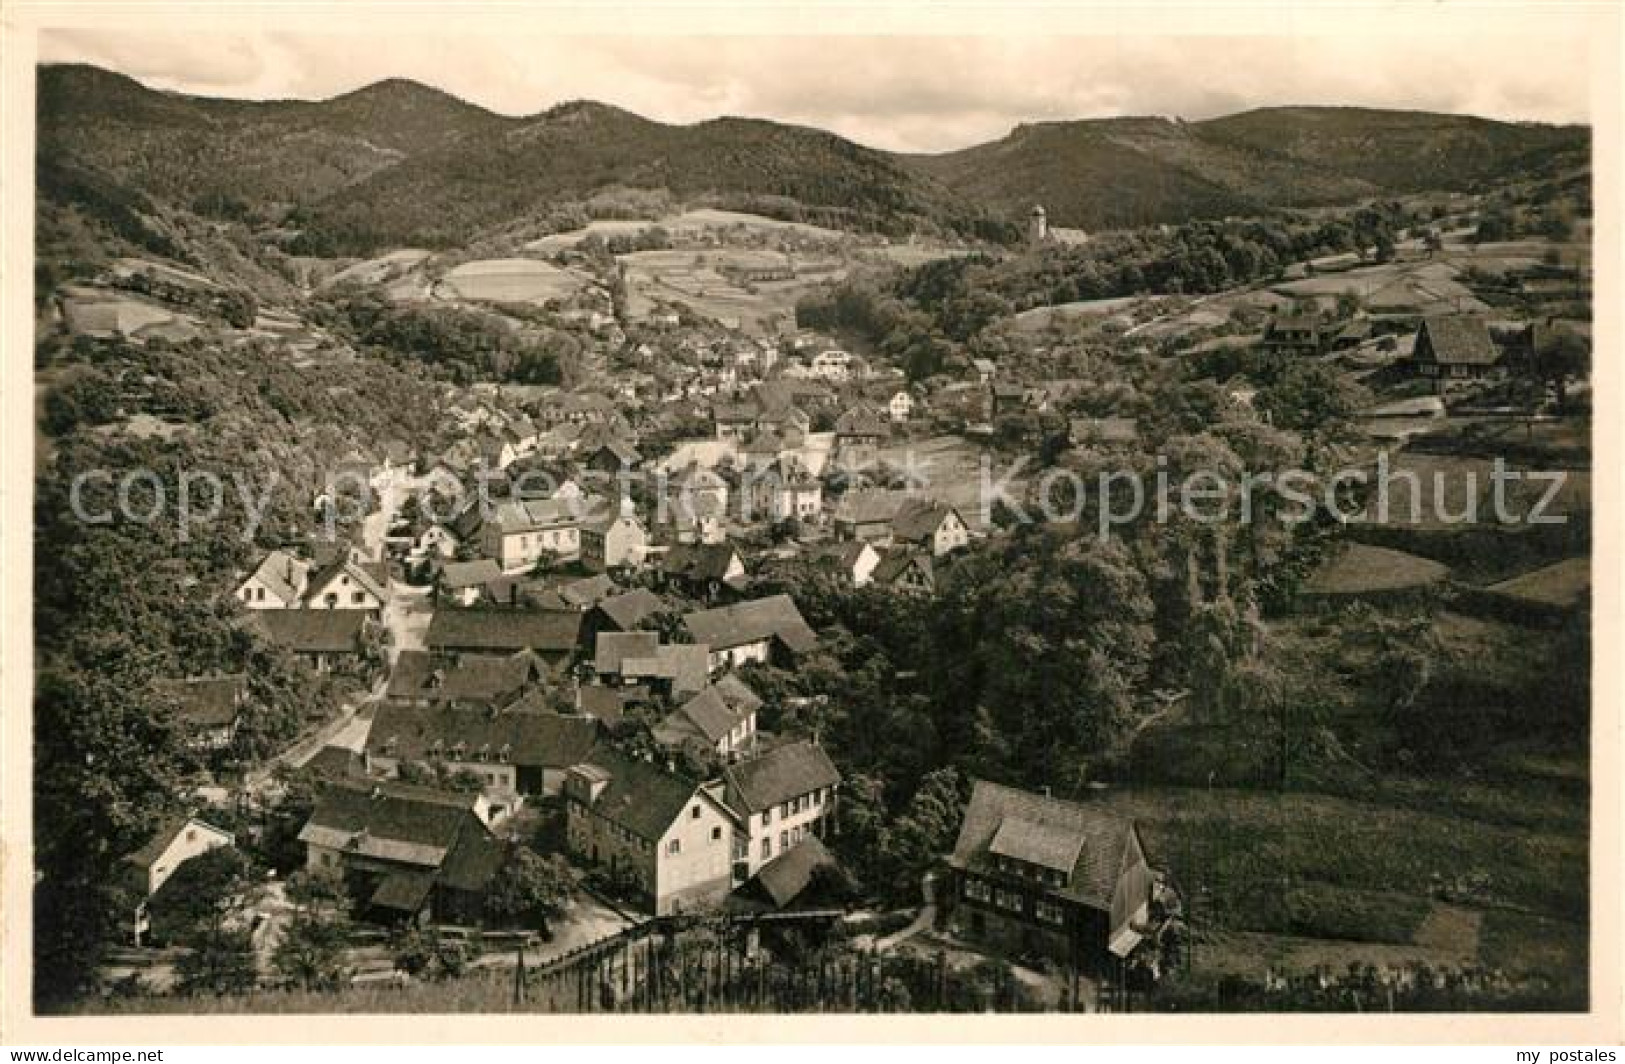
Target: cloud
(915, 93)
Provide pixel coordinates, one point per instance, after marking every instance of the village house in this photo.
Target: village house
(347, 584)
(900, 517)
(674, 670)
(614, 540)
(208, 708)
(834, 365)
(704, 570)
(323, 639)
(901, 407)
(1453, 348)
(784, 492)
(1294, 334)
(406, 853)
(780, 797)
(671, 837)
(522, 533)
(277, 583)
(624, 612)
(1030, 873)
(1005, 398)
(853, 559)
(515, 754)
(612, 649)
(465, 583)
(929, 525)
(766, 630)
(790, 881)
(985, 369)
(172, 845)
(612, 456)
(553, 636)
(907, 571)
(720, 719)
(858, 435)
(476, 679)
(693, 497)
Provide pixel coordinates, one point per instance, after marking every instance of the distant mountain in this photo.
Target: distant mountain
(1118, 172)
(207, 152)
(400, 163)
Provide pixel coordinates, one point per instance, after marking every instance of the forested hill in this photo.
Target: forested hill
(400, 163)
(1124, 172)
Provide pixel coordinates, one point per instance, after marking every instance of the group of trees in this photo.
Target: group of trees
(462, 343)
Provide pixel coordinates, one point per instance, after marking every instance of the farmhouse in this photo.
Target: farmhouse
(477, 679)
(208, 708)
(704, 570)
(551, 635)
(906, 571)
(325, 639)
(1030, 873)
(465, 583)
(522, 533)
(853, 559)
(407, 853)
(671, 837)
(1457, 347)
(761, 630)
(1293, 334)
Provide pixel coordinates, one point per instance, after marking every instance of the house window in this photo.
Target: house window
(767, 817)
(674, 847)
(716, 833)
(1048, 912)
(694, 814)
(784, 841)
(818, 798)
(767, 847)
(1009, 899)
(976, 890)
(358, 597)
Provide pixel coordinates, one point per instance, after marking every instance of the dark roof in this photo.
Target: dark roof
(391, 821)
(843, 553)
(747, 622)
(1087, 842)
(313, 631)
(700, 561)
(780, 774)
(476, 678)
(284, 574)
(614, 648)
(405, 890)
(369, 579)
(422, 733)
(608, 704)
(641, 796)
(1295, 323)
(160, 840)
(1459, 340)
(707, 715)
(206, 701)
(335, 762)
(919, 518)
(455, 576)
(737, 694)
(628, 611)
(504, 629)
(786, 876)
(896, 562)
(589, 592)
(870, 507)
(862, 420)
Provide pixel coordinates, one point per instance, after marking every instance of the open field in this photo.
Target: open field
(1362, 570)
(695, 278)
(1043, 317)
(380, 269)
(106, 312)
(510, 281)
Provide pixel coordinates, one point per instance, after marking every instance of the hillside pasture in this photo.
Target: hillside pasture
(107, 313)
(699, 279)
(376, 271)
(509, 281)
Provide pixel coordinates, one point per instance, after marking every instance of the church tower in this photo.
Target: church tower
(1038, 225)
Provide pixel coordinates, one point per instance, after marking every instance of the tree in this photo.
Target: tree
(1566, 356)
(530, 889)
(1312, 397)
(311, 952)
(219, 962)
(201, 893)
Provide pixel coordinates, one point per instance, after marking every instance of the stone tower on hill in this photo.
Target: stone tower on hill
(1038, 225)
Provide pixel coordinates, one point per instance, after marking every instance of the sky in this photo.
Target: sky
(901, 93)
